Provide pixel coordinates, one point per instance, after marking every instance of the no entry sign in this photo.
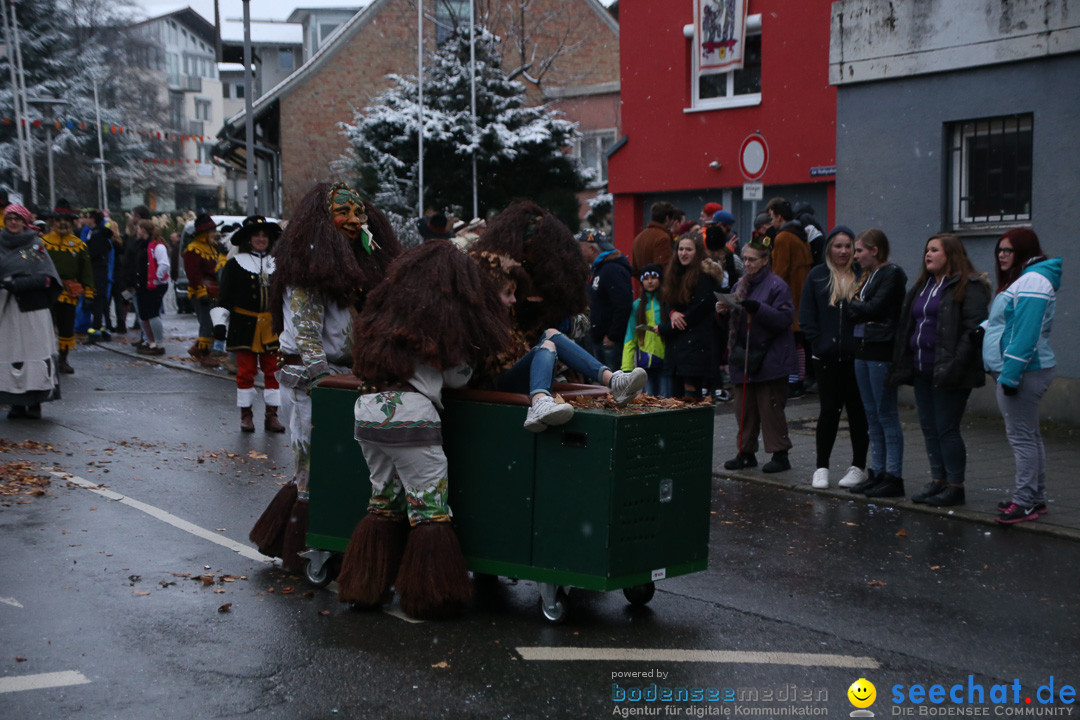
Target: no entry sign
(753, 157)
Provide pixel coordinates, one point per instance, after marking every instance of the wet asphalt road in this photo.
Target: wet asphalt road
(109, 593)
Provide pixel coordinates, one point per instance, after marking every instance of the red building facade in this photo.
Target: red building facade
(682, 133)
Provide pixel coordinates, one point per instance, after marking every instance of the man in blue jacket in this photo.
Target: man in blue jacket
(611, 295)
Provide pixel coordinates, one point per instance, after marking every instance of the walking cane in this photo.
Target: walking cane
(746, 373)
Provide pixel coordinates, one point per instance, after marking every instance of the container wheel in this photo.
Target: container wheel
(321, 574)
(640, 594)
(554, 603)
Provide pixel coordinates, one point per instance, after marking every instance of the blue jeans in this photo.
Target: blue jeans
(535, 372)
(882, 417)
(940, 412)
(659, 383)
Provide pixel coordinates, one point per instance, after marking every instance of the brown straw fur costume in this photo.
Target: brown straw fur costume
(435, 309)
(314, 254)
(550, 257)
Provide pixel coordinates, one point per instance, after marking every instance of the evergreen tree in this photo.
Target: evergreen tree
(64, 48)
(519, 149)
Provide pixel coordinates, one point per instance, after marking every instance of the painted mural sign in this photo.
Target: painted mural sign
(721, 34)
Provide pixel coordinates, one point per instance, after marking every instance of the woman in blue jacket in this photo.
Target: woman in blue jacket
(1016, 352)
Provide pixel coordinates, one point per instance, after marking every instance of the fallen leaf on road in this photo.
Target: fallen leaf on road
(139, 592)
(256, 455)
(225, 608)
(876, 583)
(324, 612)
(442, 664)
(935, 567)
(287, 590)
(901, 533)
(19, 659)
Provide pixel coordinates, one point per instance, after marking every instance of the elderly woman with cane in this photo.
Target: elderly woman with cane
(761, 356)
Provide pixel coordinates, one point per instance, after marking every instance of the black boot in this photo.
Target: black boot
(779, 463)
(870, 481)
(740, 461)
(932, 488)
(951, 495)
(63, 365)
(888, 485)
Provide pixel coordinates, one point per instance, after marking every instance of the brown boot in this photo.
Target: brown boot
(63, 365)
(247, 420)
(271, 423)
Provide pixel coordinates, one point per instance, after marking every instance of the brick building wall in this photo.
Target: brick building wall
(384, 42)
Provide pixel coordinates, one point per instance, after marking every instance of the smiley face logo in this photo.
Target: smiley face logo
(862, 693)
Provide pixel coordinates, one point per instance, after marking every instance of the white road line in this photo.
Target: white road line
(576, 654)
(42, 681)
(11, 601)
(166, 517)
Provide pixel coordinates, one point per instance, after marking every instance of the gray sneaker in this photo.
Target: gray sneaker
(625, 386)
(545, 412)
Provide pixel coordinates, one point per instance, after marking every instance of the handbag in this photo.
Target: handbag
(753, 364)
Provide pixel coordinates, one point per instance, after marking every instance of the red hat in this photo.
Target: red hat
(712, 208)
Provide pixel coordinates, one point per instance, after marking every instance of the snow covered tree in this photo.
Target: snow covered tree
(519, 149)
(64, 47)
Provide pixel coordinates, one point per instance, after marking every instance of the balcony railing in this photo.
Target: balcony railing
(195, 127)
(185, 83)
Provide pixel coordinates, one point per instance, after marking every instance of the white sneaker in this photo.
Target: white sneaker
(821, 478)
(852, 477)
(625, 386)
(545, 412)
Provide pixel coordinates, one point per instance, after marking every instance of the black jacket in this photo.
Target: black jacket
(958, 347)
(827, 328)
(691, 352)
(611, 296)
(877, 305)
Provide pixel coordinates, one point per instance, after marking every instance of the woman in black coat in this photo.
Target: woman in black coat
(689, 309)
(939, 351)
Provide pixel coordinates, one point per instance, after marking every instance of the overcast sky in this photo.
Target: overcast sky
(260, 9)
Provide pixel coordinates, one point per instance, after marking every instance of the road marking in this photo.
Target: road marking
(167, 517)
(11, 601)
(42, 681)
(577, 654)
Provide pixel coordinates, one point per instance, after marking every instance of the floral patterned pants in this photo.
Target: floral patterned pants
(407, 479)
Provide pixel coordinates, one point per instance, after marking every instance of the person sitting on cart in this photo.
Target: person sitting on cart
(335, 249)
(532, 370)
(546, 288)
(425, 328)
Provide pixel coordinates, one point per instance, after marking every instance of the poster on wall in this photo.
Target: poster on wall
(721, 35)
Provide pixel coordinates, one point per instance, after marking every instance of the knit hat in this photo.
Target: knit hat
(653, 269)
(204, 223)
(760, 242)
(21, 211)
(597, 238)
(723, 217)
(711, 208)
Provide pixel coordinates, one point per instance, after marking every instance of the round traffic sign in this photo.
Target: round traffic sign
(753, 157)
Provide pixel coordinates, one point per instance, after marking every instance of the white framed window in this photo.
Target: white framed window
(990, 171)
(591, 149)
(202, 109)
(737, 88)
(285, 59)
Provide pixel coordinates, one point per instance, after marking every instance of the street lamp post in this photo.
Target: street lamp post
(249, 121)
(48, 103)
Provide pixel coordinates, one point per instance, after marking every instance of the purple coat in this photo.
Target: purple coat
(770, 328)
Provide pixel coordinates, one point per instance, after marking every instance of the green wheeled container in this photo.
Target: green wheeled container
(612, 500)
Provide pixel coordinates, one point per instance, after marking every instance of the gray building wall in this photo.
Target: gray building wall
(892, 160)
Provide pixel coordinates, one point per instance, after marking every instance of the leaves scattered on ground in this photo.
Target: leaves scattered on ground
(33, 447)
(22, 478)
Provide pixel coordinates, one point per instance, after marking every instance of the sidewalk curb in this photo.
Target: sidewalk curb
(961, 513)
(175, 365)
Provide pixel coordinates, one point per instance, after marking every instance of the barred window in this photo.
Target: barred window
(991, 171)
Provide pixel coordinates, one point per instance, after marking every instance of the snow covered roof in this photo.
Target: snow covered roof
(270, 33)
